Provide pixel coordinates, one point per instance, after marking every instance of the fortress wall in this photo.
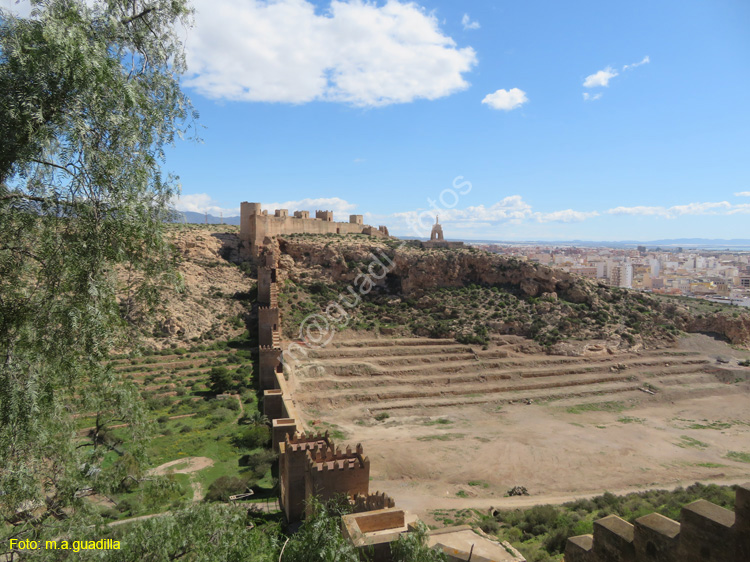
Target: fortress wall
(292, 469)
(256, 225)
(269, 323)
(705, 533)
(331, 472)
(657, 538)
(613, 540)
(742, 522)
(273, 404)
(270, 359)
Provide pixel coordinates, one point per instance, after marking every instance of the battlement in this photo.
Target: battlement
(256, 226)
(371, 502)
(330, 458)
(705, 533)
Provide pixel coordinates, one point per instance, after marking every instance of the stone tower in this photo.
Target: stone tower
(437, 231)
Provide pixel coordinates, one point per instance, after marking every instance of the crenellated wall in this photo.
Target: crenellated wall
(331, 471)
(256, 225)
(309, 464)
(705, 533)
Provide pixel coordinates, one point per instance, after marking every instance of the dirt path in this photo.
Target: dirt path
(188, 465)
(191, 464)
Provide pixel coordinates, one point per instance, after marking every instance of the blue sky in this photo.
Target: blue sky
(375, 108)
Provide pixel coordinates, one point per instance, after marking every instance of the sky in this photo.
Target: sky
(536, 120)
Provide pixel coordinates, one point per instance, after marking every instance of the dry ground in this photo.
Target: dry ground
(459, 431)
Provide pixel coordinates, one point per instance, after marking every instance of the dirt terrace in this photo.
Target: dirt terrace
(451, 425)
(422, 374)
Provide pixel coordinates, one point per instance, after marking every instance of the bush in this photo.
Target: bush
(253, 436)
(225, 486)
(258, 462)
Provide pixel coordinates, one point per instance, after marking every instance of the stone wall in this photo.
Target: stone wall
(256, 225)
(309, 464)
(705, 533)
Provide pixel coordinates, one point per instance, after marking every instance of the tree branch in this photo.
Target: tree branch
(45, 163)
(131, 19)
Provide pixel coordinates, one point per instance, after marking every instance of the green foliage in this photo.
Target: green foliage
(253, 436)
(412, 547)
(221, 380)
(319, 539)
(89, 99)
(225, 486)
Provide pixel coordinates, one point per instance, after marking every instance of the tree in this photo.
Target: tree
(89, 98)
(319, 539)
(220, 380)
(412, 547)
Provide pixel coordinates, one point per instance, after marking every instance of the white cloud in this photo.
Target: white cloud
(568, 215)
(742, 194)
(645, 60)
(355, 52)
(468, 24)
(506, 100)
(203, 203)
(589, 97)
(600, 79)
(708, 208)
(340, 207)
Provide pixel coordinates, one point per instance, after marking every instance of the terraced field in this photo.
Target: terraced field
(447, 424)
(409, 375)
(190, 423)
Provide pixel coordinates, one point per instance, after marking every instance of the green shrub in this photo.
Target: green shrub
(225, 486)
(253, 436)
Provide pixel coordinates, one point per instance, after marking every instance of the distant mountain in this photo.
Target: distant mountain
(201, 218)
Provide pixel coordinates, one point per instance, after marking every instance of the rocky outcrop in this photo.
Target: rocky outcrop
(556, 301)
(735, 328)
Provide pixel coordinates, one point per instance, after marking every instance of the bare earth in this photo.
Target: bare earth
(484, 439)
(182, 466)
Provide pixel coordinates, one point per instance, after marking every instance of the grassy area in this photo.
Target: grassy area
(441, 437)
(738, 456)
(688, 442)
(597, 407)
(187, 419)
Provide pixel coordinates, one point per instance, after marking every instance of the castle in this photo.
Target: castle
(256, 225)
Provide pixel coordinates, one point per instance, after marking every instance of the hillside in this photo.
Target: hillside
(469, 294)
(465, 294)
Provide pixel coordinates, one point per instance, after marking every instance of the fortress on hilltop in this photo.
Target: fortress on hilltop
(256, 225)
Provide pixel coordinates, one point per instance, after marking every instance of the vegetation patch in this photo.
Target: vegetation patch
(738, 456)
(597, 407)
(441, 437)
(688, 442)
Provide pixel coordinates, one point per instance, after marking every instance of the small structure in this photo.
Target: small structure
(437, 240)
(437, 230)
(373, 532)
